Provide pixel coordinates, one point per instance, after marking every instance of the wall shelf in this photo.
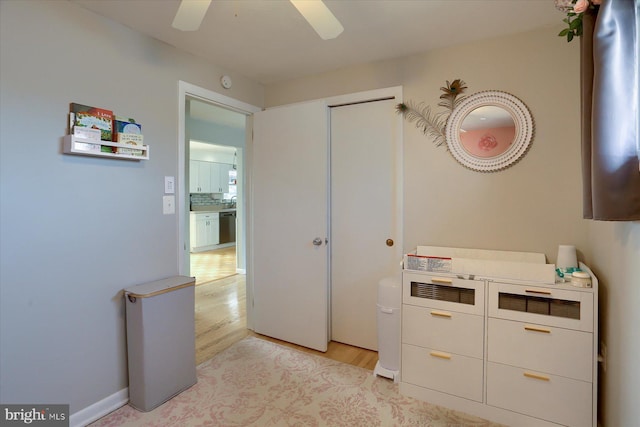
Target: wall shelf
(87, 147)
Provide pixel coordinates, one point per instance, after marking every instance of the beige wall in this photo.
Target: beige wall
(533, 206)
(615, 258)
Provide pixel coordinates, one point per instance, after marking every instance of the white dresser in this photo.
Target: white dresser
(516, 351)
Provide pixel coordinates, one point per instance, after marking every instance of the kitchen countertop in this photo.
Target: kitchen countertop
(213, 210)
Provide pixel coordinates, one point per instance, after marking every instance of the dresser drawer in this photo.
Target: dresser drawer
(446, 372)
(542, 348)
(443, 292)
(444, 330)
(557, 399)
(542, 305)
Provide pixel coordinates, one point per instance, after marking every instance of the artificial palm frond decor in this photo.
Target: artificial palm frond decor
(434, 124)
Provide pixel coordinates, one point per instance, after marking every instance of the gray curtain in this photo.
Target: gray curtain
(611, 111)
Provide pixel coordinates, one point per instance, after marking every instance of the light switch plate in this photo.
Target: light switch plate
(168, 205)
(169, 185)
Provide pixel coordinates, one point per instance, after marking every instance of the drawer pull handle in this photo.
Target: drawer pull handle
(440, 313)
(440, 355)
(536, 376)
(442, 280)
(535, 329)
(538, 292)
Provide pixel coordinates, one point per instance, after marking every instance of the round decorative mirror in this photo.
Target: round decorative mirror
(489, 131)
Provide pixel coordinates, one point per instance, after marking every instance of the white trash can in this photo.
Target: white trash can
(160, 340)
(389, 300)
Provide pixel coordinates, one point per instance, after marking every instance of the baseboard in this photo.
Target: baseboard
(241, 271)
(99, 409)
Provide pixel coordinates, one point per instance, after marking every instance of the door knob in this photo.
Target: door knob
(389, 242)
(317, 241)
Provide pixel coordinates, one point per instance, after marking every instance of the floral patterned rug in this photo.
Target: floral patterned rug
(259, 383)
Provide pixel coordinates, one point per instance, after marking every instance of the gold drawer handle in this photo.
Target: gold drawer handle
(440, 313)
(538, 292)
(440, 355)
(535, 329)
(442, 280)
(536, 376)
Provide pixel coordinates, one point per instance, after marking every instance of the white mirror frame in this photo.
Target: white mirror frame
(521, 142)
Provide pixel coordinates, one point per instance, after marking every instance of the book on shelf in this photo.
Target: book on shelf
(87, 133)
(133, 139)
(92, 117)
(125, 125)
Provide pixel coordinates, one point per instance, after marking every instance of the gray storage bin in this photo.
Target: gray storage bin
(160, 340)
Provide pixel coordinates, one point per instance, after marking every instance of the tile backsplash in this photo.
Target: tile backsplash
(205, 199)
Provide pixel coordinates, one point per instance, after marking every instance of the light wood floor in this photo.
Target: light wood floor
(220, 321)
(213, 265)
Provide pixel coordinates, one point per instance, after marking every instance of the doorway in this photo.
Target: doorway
(216, 139)
(216, 179)
(207, 117)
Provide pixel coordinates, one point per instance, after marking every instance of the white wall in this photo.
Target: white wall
(76, 230)
(533, 206)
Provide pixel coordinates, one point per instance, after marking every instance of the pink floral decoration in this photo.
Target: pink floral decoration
(487, 142)
(580, 6)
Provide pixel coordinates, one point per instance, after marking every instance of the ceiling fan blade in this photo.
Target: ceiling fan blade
(319, 17)
(190, 14)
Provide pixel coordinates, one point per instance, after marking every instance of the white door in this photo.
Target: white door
(365, 232)
(290, 272)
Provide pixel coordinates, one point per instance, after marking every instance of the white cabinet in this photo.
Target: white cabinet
(446, 372)
(208, 177)
(204, 231)
(225, 168)
(443, 334)
(220, 177)
(541, 345)
(525, 355)
(552, 350)
(199, 176)
(443, 291)
(565, 307)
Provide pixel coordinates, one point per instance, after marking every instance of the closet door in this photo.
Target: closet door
(289, 195)
(365, 210)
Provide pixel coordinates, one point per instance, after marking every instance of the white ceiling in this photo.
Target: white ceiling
(269, 41)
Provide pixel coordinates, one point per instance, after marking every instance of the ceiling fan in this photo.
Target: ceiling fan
(191, 13)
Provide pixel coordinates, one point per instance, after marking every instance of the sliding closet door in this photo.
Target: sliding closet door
(289, 253)
(365, 210)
